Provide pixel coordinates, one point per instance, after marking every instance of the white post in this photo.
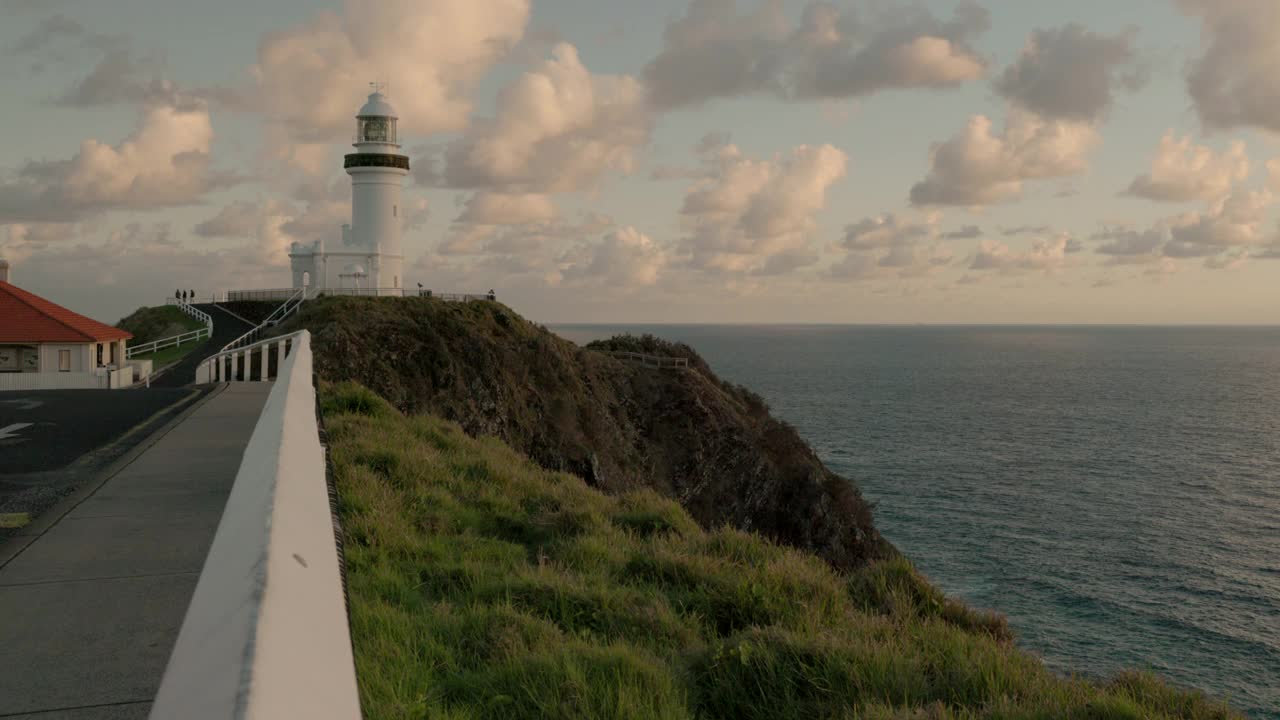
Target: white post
(263, 376)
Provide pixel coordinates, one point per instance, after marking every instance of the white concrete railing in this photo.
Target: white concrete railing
(236, 364)
(266, 634)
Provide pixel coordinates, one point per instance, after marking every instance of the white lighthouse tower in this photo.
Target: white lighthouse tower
(369, 261)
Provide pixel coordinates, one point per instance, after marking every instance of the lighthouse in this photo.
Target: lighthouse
(369, 260)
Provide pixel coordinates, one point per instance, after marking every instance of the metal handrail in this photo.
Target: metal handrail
(273, 319)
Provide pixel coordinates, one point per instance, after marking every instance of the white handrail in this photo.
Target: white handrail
(266, 634)
(174, 341)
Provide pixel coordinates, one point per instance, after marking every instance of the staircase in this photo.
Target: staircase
(226, 328)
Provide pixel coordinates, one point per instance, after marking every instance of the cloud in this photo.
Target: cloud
(309, 78)
(977, 167)
(491, 208)
(164, 163)
(886, 231)
(968, 232)
(1070, 73)
(623, 260)
(557, 128)
(106, 275)
(715, 51)
(1182, 172)
(1025, 230)
(1233, 81)
(1045, 255)
(1231, 222)
(1130, 243)
(890, 245)
(748, 211)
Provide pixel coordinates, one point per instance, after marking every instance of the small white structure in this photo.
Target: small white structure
(44, 346)
(370, 248)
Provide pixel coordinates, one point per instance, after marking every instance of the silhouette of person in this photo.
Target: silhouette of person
(193, 296)
(492, 296)
(177, 294)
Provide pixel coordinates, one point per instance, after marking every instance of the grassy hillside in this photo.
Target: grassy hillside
(484, 586)
(156, 323)
(710, 445)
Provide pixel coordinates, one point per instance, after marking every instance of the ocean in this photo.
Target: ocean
(1115, 491)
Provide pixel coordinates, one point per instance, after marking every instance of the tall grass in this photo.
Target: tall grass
(483, 586)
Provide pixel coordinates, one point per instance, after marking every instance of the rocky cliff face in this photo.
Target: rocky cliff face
(618, 425)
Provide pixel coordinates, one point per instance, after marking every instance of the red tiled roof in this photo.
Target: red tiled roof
(28, 318)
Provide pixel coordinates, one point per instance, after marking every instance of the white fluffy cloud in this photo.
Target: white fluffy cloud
(1070, 73)
(556, 128)
(980, 167)
(165, 162)
(1182, 171)
(1044, 255)
(1233, 82)
(890, 245)
(491, 208)
(1231, 222)
(716, 51)
(623, 260)
(748, 212)
(309, 77)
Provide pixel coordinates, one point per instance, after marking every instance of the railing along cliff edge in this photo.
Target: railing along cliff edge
(266, 634)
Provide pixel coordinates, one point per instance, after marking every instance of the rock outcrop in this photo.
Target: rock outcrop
(709, 444)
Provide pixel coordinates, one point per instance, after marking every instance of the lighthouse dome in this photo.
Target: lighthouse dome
(377, 107)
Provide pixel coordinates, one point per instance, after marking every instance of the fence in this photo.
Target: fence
(55, 381)
(275, 295)
(360, 292)
(660, 362)
(266, 634)
(457, 297)
(195, 335)
(175, 341)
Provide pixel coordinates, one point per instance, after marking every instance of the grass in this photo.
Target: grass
(169, 355)
(14, 521)
(484, 587)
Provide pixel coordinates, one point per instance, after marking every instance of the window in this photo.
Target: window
(99, 354)
(64, 361)
(396, 280)
(395, 211)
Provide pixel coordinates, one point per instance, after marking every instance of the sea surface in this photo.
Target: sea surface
(1114, 490)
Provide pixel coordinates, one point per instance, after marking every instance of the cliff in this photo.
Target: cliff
(710, 445)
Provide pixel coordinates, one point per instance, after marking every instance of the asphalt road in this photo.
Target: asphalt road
(50, 429)
(54, 441)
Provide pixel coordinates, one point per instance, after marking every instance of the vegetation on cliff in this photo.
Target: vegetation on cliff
(710, 445)
(485, 586)
(156, 323)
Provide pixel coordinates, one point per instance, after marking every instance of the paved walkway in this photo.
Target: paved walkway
(91, 599)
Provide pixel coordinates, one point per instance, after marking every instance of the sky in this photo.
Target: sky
(758, 161)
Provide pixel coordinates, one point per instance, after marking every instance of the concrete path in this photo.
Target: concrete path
(93, 594)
